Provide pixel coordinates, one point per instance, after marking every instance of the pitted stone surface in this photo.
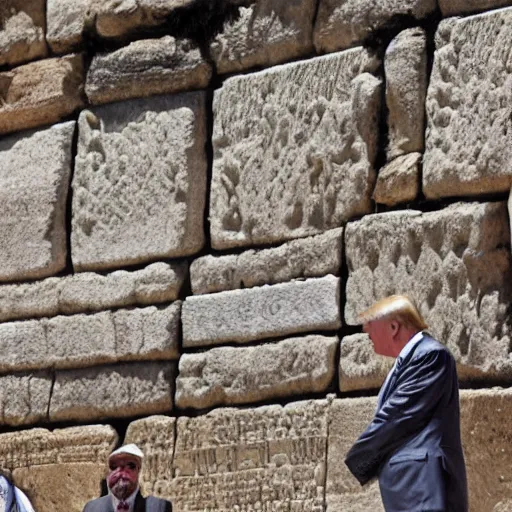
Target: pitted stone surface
(468, 138)
(343, 23)
(66, 21)
(399, 181)
(360, 367)
(21, 31)
(86, 340)
(264, 33)
(139, 182)
(262, 312)
(41, 92)
(453, 7)
(314, 256)
(236, 375)
(455, 264)
(406, 88)
(112, 391)
(295, 158)
(35, 169)
(147, 67)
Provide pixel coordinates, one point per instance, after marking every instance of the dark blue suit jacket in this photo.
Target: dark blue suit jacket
(413, 442)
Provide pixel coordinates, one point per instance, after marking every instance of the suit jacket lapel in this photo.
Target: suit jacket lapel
(140, 503)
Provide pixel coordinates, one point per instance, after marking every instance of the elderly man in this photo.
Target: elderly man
(123, 485)
(413, 443)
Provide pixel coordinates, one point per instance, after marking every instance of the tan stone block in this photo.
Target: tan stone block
(468, 139)
(314, 256)
(296, 157)
(398, 181)
(41, 92)
(453, 7)
(455, 264)
(139, 182)
(341, 24)
(145, 68)
(236, 375)
(112, 391)
(22, 31)
(66, 23)
(35, 169)
(264, 33)
(262, 312)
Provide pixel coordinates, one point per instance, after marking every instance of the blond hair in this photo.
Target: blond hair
(395, 307)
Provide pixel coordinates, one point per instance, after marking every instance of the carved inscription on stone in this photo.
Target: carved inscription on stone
(294, 148)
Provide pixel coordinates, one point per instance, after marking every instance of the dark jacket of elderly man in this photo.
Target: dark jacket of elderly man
(413, 443)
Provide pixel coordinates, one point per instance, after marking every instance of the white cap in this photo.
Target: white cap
(128, 449)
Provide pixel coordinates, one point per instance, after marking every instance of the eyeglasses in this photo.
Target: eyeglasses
(129, 465)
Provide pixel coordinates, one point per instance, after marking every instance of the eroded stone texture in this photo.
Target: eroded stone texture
(406, 88)
(399, 181)
(264, 33)
(112, 391)
(452, 7)
(455, 264)
(35, 169)
(262, 312)
(296, 157)
(147, 67)
(468, 139)
(139, 182)
(41, 92)
(66, 21)
(343, 23)
(21, 31)
(360, 367)
(236, 375)
(314, 256)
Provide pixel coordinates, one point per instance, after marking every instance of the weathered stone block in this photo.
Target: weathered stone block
(468, 138)
(41, 92)
(399, 181)
(455, 264)
(112, 391)
(264, 33)
(314, 256)
(453, 7)
(257, 313)
(66, 21)
(343, 23)
(296, 157)
(236, 375)
(139, 182)
(21, 31)
(34, 176)
(406, 88)
(147, 67)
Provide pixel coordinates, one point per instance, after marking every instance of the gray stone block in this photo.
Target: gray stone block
(66, 23)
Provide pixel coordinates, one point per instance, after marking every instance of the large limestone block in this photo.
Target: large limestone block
(314, 256)
(41, 92)
(112, 391)
(24, 398)
(343, 23)
(21, 31)
(35, 169)
(406, 88)
(262, 312)
(468, 138)
(360, 368)
(295, 158)
(264, 33)
(66, 22)
(236, 375)
(139, 182)
(455, 264)
(452, 7)
(147, 67)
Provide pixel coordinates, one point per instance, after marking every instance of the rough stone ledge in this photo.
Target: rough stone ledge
(454, 7)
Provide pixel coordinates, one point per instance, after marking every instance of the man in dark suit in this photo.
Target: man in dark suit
(413, 443)
(123, 485)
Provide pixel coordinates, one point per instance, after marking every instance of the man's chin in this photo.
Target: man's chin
(122, 489)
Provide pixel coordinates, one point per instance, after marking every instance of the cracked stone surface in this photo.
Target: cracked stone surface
(66, 23)
(455, 264)
(140, 182)
(468, 139)
(257, 313)
(296, 157)
(314, 256)
(35, 170)
(453, 7)
(236, 375)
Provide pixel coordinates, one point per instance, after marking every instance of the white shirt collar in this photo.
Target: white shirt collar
(130, 500)
(410, 345)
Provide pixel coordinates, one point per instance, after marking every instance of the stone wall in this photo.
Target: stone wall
(197, 197)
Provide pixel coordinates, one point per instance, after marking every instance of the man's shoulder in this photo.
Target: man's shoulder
(158, 504)
(430, 344)
(97, 504)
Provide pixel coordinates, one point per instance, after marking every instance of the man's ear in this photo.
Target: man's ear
(395, 327)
